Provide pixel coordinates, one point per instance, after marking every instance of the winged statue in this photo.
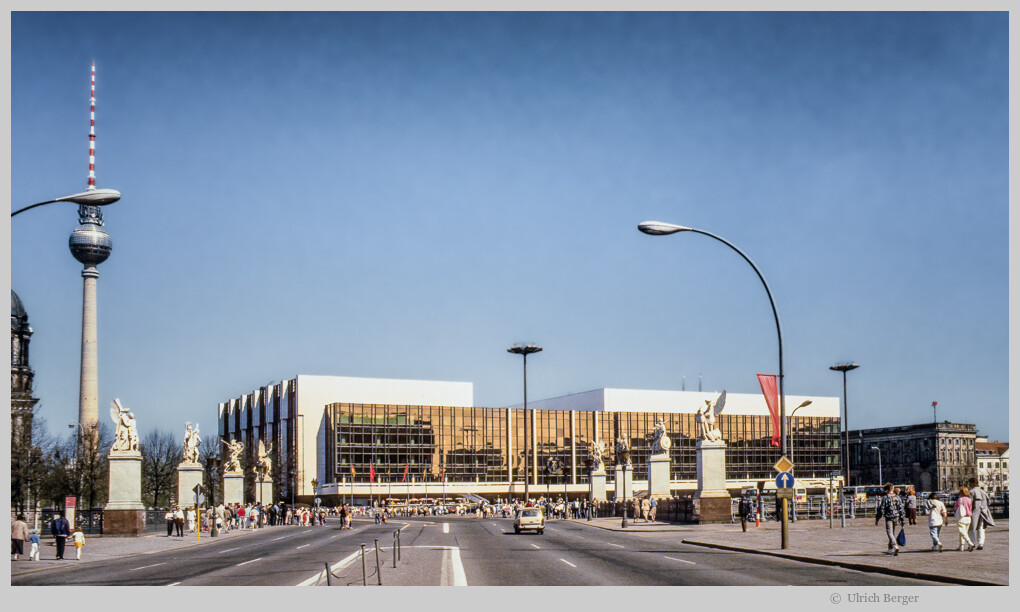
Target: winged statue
(264, 465)
(126, 435)
(706, 419)
(597, 452)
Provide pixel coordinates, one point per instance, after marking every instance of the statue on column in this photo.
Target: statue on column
(622, 451)
(235, 448)
(706, 419)
(126, 435)
(596, 452)
(264, 465)
(191, 443)
(660, 441)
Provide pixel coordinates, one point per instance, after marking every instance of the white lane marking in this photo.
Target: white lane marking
(303, 545)
(228, 550)
(620, 545)
(319, 577)
(173, 584)
(247, 562)
(145, 566)
(568, 563)
(279, 538)
(459, 578)
(680, 560)
(446, 528)
(536, 546)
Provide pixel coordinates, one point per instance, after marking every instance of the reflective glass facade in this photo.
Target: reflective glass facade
(487, 444)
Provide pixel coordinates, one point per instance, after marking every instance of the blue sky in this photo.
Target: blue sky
(406, 195)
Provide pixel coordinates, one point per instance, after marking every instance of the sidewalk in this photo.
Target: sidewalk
(860, 545)
(99, 548)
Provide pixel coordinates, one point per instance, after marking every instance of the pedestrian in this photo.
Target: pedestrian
(890, 506)
(981, 512)
(911, 506)
(191, 520)
(19, 534)
(179, 521)
(60, 529)
(34, 539)
(646, 508)
(79, 542)
(745, 511)
(169, 522)
(653, 509)
(962, 511)
(937, 516)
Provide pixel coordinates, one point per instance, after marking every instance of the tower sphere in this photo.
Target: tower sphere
(90, 244)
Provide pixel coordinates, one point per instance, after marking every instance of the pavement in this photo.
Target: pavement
(100, 548)
(861, 545)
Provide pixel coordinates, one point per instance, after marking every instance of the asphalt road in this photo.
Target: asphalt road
(457, 551)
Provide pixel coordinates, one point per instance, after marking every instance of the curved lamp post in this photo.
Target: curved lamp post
(94, 197)
(875, 448)
(844, 368)
(658, 228)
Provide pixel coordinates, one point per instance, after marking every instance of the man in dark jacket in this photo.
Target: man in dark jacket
(890, 506)
(745, 510)
(60, 529)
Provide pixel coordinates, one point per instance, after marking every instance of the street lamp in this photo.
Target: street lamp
(658, 228)
(315, 490)
(802, 404)
(525, 351)
(213, 463)
(875, 448)
(625, 460)
(95, 197)
(844, 368)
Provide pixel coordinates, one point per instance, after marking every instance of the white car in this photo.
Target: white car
(529, 518)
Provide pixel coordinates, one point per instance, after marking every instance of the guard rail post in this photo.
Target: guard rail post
(329, 574)
(378, 572)
(364, 568)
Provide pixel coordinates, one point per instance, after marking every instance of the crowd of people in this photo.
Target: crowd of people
(972, 511)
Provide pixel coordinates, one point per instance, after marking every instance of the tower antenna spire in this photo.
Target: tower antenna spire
(92, 131)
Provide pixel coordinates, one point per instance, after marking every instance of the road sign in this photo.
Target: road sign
(197, 488)
(318, 501)
(783, 465)
(784, 494)
(784, 480)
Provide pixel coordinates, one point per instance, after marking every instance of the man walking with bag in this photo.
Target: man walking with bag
(890, 506)
(980, 504)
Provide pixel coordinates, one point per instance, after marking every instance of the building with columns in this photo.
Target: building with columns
(363, 438)
(22, 402)
(929, 456)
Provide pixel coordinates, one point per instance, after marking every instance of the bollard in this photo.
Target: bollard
(378, 569)
(329, 574)
(364, 569)
(395, 549)
(400, 550)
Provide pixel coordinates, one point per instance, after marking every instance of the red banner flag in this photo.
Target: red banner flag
(352, 471)
(768, 388)
(371, 471)
(404, 479)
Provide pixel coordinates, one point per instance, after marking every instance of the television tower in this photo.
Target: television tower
(91, 246)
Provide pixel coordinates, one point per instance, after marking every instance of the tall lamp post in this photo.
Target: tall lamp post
(793, 412)
(658, 228)
(213, 463)
(875, 448)
(844, 368)
(625, 460)
(525, 351)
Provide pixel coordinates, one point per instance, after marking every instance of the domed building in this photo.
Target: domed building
(22, 401)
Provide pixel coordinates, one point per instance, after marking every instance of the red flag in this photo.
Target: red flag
(371, 471)
(442, 475)
(768, 388)
(352, 471)
(404, 479)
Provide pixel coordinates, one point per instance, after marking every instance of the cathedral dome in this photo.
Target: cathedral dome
(17, 309)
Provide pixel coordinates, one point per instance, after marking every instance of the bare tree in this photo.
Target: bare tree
(211, 448)
(161, 452)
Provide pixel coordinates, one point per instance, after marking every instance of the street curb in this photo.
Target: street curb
(862, 567)
(665, 527)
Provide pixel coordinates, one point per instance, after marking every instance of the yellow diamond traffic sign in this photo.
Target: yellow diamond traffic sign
(783, 465)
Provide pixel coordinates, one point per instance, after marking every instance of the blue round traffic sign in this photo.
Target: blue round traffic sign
(784, 480)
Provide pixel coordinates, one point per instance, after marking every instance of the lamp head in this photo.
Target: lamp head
(517, 349)
(95, 197)
(658, 228)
